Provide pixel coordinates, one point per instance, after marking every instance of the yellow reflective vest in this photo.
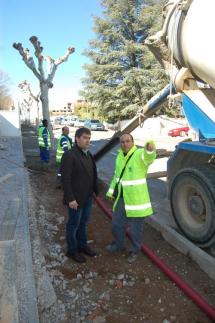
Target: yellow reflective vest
(63, 142)
(41, 137)
(133, 182)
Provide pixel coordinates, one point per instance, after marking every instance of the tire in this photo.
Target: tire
(192, 199)
(182, 134)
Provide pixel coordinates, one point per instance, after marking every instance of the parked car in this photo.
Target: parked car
(79, 123)
(58, 120)
(69, 121)
(94, 124)
(72, 121)
(182, 131)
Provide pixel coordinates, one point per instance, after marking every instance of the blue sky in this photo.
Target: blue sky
(58, 24)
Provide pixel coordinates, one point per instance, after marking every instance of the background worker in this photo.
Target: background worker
(44, 142)
(64, 144)
(129, 188)
(79, 179)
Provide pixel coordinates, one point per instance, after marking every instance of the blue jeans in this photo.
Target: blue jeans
(44, 154)
(76, 227)
(119, 223)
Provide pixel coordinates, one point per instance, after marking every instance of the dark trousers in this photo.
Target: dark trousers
(76, 227)
(44, 154)
(119, 223)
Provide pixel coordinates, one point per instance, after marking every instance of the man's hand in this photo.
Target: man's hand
(73, 205)
(150, 146)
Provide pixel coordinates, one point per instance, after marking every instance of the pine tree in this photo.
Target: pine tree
(123, 74)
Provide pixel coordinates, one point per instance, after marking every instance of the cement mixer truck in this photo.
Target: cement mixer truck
(186, 49)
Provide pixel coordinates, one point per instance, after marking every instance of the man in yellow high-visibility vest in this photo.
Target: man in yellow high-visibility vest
(64, 144)
(44, 142)
(130, 191)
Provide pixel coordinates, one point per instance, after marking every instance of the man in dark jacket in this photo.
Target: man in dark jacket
(79, 180)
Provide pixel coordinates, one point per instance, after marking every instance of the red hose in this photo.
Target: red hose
(188, 290)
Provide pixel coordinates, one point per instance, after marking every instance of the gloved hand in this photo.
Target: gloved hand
(150, 146)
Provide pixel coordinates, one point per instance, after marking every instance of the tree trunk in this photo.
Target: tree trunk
(45, 100)
(45, 106)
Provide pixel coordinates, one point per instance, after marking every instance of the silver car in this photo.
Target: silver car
(94, 124)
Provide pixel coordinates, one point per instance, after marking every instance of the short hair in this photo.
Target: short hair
(79, 132)
(127, 133)
(64, 128)
(44, 121)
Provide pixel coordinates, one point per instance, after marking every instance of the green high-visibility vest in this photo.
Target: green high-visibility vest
(133, 182)
(60, 150)
(41, 141)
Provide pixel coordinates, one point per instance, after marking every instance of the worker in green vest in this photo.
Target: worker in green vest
(130, 193)
(44, 143)
(64, 144)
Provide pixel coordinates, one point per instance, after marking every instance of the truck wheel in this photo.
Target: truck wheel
(192, 199)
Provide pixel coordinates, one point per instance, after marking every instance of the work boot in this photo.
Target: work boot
(88, 251)
(76, 257)
(132, 257)
(113, 247)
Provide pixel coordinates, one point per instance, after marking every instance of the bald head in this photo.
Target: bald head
(126, 142)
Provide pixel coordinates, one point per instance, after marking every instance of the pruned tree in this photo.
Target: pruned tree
(25, 107)
(25, 87)
(45, 79)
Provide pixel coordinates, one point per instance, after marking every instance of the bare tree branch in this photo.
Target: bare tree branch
(38, 53)
(26, 88)
(60, 60)
(50, 61)
(27, 58)
(64, 58)
(45, 82)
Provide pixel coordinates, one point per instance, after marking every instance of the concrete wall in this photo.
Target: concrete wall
(9, 123)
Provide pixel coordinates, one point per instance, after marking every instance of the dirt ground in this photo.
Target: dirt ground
(106, 288)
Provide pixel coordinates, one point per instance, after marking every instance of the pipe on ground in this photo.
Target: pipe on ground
(188, 290)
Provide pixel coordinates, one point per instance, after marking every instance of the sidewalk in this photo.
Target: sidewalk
(18, 301)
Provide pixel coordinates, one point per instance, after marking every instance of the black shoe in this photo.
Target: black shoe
(76, 257)
(88, 251)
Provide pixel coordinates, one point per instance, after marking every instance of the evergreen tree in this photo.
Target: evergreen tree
(123, 74)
